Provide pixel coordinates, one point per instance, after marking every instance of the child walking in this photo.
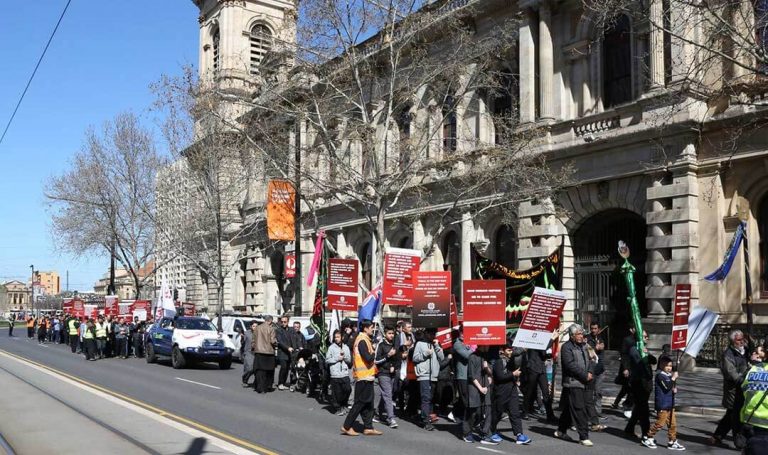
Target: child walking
(666, 389)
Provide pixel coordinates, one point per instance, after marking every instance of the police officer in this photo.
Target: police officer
(755, 409)
(102, 330)
(72, 326)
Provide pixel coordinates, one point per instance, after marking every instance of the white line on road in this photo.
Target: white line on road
(490, 450)
(199, 383)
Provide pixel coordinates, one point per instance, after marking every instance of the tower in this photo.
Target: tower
(237, 35)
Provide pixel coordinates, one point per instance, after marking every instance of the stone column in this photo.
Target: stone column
(656, 16)
(546, 62)
(467, 235)
(527, 69)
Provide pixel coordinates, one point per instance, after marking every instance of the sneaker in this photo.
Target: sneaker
(603, 418)
(522, 439)
(674, 445)
(282, 387)
(563, 436)
(488, 441)
(341, 411)
(628, 414)
(495, 438)
(470, 438)
(648, 442)
(573, 428)
(392, 423)
(376, 419)
(586, 443)
(450, 417)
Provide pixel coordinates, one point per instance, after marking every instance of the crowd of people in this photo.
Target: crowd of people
(95, 338)
(398, 373)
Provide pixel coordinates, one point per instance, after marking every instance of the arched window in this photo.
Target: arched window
(762, 223)
(505, 246)
(617, 63)
(366, 262)
(452, 261)
(261, 43)
(450, 126)
(216, 53)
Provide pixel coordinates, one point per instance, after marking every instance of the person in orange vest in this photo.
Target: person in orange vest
(30, 327)
(364, 371)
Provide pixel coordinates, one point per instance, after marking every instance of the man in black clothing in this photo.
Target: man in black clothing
(641, 385)
(625, 372)
(535, 373)
(595, 340)
(735, 364)
(478, 410)
(506, 374)
(388, 365)
(285, 342)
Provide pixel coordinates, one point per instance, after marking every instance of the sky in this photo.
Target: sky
(101, 62)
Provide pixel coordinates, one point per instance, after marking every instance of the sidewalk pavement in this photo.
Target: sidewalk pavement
(44, 413)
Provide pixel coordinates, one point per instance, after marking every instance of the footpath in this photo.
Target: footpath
(45, 413)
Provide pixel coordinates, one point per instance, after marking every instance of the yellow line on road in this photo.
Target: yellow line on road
(149, 407)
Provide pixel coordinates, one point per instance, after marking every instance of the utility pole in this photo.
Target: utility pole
(297, 223)
(32, 290)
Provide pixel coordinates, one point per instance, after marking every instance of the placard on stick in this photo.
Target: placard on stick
(431, 299)
(541, 319)
(485, 319)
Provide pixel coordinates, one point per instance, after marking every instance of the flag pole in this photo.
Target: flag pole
(747, 281)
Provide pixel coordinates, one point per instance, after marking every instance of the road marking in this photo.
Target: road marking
(490, 450)
(199, 383)
(219, 438)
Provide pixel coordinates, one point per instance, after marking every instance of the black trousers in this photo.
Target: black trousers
(731, 422)
(90, 348)
(340, 391)
(444, 394)
(138, 347)
(461, 403)
(10, 328)
(282, 378)
(73, 340)
(757, 444)
(534, 381)
(640, 412)
(30, 332)
(363, 405)
(625, 390)
(574, 403)
(122, 347)
(510, 406)
(473, 416)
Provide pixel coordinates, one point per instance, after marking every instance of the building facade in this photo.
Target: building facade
(16, 294)
(656, 166)
(50, 282)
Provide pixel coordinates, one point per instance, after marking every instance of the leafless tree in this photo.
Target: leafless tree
(100, 204)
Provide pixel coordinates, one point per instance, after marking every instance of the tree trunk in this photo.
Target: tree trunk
(380, 242)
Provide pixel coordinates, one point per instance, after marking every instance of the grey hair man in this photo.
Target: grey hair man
(735, 364)
(578, 370)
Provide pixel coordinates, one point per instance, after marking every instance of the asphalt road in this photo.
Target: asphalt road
(291, 423)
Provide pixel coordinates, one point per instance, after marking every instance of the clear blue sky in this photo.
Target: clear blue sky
(101, 62)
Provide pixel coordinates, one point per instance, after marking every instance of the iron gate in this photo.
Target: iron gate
(595, 285)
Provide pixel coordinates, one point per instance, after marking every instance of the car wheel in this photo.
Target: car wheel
(150, 354)
(177, 358)
(225, 364)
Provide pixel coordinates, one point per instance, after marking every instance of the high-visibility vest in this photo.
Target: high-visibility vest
(88, 334)
(361, 369)
(101, 330)
(30, 323)
(72, 327)
(755, 386)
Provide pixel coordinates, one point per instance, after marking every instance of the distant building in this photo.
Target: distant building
(17, 294)
(125, 288)
(49, 282)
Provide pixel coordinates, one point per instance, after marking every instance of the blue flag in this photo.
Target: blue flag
(370, 307)
(730, 255)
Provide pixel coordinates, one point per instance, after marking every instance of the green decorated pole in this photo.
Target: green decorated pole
(628, 270)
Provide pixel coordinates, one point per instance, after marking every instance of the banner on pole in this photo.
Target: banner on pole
(431, 299)
(541, 319)
(399, 265)
(78, 308)
(281, 219)
(111, 306)
(91, 311)
(485, 320)
(680, 318)
(67, 307)
(290, 266)
(342, 284)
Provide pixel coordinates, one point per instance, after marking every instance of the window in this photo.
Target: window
(762, 224)
(452, 261)
(216, 53)
(261, 43)
(502, 98)
(617, 63)
(505, 246)
(449, 125)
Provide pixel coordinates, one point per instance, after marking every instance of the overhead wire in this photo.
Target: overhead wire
(39, 61)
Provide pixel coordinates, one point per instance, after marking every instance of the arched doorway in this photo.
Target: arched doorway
(601, 291)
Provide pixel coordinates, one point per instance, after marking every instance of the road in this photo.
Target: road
(214, 402)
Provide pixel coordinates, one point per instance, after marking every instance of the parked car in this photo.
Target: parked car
(188, 339)
(231, 322)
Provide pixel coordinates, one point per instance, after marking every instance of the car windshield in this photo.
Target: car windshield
(195, 324)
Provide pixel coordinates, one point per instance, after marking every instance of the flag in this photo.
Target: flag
(730, 255)
(700, 325)
(281, 219)
(317, 320)
(369, 309)
(165, 306)
(335, 317)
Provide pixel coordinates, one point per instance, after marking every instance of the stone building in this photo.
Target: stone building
(650, 168)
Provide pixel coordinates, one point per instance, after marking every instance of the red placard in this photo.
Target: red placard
(78, 308)
(431, 299)
(188, 308)
(444, 333)
(67, 306)
(91, 311)
(399, 265)
(290, 266)
(541, 318)
(342, 284)
(680, 319)
(485, 320)
(111, 306)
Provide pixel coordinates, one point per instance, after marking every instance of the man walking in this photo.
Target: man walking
(735, 364)
(364, 372)
(577, 372)
(246, 344)
(387, 365)
(506, 376)
(263, 347)
(285, 340)
(641, 385)
(461, 356)
(427, 355)
(535, 374)
(595, 340)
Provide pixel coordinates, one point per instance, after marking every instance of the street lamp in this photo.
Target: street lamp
(32, 290)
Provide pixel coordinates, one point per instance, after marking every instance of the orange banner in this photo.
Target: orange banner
(280, 210)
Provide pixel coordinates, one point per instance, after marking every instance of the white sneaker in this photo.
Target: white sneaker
(586, 443)
(450, 417)
(674, 445)
(628, 414)
(648, 442)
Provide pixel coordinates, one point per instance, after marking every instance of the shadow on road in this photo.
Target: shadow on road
(197, 447)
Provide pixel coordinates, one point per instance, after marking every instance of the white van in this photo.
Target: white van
(231, 322)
